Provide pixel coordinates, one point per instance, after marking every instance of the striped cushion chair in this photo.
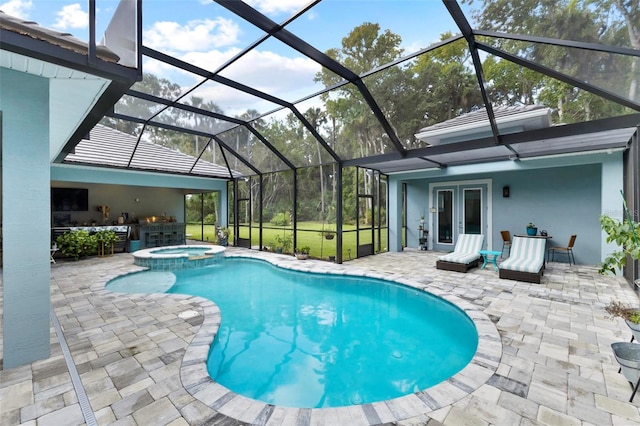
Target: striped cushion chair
(464, 256)
(526, 260)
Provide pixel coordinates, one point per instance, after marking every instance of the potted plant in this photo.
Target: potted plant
(628, 356)
(630, 315)
(223, 236)
(284, 243)
(532, 229)
(329, 233)
(627, 353)
(302, 253)
(626, 234)
(105, 240)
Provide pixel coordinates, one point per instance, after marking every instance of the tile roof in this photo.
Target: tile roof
(64, 40)
(109, 147)
(481, 115)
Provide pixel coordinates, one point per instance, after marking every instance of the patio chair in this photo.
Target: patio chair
(465, 255)
(506, 241)
(54, 249)
(568, 250)
(526, 260)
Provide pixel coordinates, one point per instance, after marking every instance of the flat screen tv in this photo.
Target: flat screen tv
(69, 199)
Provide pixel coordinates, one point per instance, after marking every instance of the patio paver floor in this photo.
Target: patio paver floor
(556, 365)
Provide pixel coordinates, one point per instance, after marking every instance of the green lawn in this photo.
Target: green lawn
(309, 234)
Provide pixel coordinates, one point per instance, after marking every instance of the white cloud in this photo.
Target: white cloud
(269, 72)
(17, 8)
(271, 7)
(72, 16)
(198, 35)
(279, 76)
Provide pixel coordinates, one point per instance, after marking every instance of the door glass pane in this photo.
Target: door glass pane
(472, 211)
(445, 216)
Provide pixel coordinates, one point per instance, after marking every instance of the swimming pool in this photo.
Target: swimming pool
(315, 341)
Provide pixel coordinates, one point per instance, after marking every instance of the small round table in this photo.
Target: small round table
(494, 258)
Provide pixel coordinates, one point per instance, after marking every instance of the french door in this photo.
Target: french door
(458, 208)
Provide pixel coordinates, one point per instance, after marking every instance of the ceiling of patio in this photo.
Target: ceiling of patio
(367, 104)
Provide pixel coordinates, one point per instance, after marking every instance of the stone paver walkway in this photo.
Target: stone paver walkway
(138, 357)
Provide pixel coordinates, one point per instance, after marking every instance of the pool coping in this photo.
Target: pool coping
(197, 382)
(148, 253)
(149, 258)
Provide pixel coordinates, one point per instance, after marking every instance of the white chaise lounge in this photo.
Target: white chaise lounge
(526, 260)
(464, 256)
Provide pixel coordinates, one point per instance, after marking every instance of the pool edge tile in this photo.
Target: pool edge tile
(483, 364)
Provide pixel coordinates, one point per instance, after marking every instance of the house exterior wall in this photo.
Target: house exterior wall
(122, 198)
(562, 195)
(562, 201)
(156, 193)
(25, 219)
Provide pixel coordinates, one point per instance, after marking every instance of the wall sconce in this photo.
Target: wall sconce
(505, 192)
(432, 210)
(137, 200)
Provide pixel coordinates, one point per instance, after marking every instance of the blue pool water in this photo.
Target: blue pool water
(313, 340)
(191, 251)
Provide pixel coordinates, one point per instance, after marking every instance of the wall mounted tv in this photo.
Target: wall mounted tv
(69, 199)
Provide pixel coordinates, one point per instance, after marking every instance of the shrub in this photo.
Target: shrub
(77, 244)
(281, 219)
(626, 235)
(106, 237)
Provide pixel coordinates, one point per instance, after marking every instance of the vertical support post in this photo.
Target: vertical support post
(397, 206)
(295, 209)
(92, 32)
(339, 213)
(357, 180)
(139, 37)
(26, 219)
(261, 205)
(236, 211)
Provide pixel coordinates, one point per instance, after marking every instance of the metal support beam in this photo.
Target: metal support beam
(560, 76)
(260, 217)
(294, 210)
(601, 125)
(339, 216)
(264, 23)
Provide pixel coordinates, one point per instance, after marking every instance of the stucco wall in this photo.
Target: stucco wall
(25, 224)
(562, 201)
(560, 195)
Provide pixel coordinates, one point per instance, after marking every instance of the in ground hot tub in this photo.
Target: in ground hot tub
(178, 257)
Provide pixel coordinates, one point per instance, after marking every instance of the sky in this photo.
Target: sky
(205, 34)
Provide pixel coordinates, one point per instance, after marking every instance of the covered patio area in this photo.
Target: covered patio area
(555, 364)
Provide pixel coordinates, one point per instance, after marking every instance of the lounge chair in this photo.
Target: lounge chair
(526, 260)
(464, 256)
